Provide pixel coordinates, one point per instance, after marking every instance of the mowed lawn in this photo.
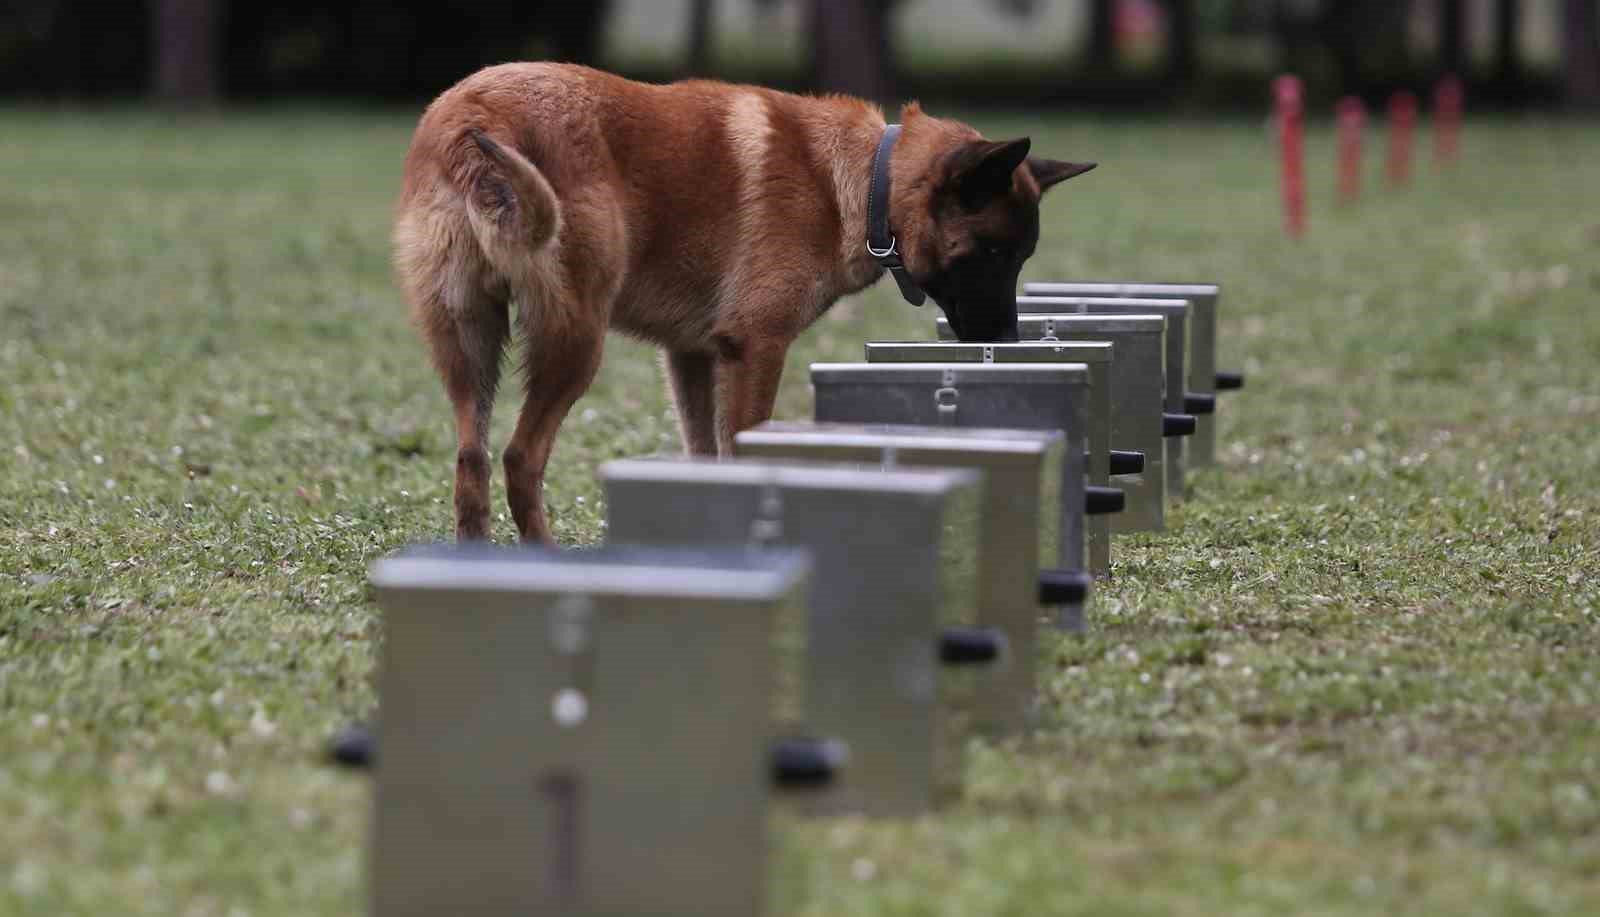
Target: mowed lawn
(1359, 674)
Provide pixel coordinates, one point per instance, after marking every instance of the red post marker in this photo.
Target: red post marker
(1352, 120)
(1448, 98)
(1286, 95)
(1402, 118)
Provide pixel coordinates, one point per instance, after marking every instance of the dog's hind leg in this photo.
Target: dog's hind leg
(466, 345)
(562, 359)
(694, 395)
(465, 327)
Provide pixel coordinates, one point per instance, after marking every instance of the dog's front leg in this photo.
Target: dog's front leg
(692, 375)
(748, 373)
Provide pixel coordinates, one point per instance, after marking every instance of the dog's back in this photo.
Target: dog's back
(665, 190)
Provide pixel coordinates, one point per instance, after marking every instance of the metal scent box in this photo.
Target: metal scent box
(1179, 315)
(580, 733)
(1098, 356)
(1176, 311)
(1022, 396)
(1136, 402)
(1204, 377)
(1093, 405)
(894, 572)
(1018, 535)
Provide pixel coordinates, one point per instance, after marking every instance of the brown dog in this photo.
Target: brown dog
(717, 221)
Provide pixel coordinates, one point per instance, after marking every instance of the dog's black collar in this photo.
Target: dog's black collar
(881, 242)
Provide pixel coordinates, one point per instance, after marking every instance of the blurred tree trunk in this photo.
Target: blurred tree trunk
(1342, 29)
(1102, 34)
(184, 34)
(1453, 36)
(576, 28)
(850, 47)
(1508, 44)
(1181, 39)
(1285, 29)
(701, 26)
(1366, 39)
(1580, 36)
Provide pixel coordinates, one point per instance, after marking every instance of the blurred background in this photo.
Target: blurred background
(1097, 53)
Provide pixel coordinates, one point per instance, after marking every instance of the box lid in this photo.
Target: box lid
(1010, 352)
(795, 474)
(964, 372)
(1078, 322)
(1123, 288)
(739, 573)
(904, 437)
(1094, 305)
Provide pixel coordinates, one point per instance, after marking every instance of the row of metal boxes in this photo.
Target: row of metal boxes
(832, 612)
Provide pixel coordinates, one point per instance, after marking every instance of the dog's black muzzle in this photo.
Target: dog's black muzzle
(979, 332)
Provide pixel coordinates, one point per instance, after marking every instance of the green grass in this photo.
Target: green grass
(1359, 675)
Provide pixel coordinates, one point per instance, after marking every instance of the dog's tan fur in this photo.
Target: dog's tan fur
(718, 221)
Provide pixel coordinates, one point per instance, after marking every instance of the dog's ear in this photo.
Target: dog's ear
(981, 169)
(1051, 172)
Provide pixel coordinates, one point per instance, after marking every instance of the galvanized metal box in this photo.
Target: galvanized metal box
(581, 733)
(1048, 396)
(1133, 399)
(1095, 408)
(1204, 376)
(1178, 399)
(1037, 319)
(894, 559)
(1097, 355)
(1019, 528)
(1180, 314)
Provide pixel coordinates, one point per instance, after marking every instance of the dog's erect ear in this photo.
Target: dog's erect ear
(981, 169)
(1051, 172)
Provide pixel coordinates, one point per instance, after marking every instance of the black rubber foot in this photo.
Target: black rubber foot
(1124, 462)
(355, 747)
(1100, 501)
(1064, 587)
(1229, 382)
(1196, 403)
(1177, 424)
(971, 645)
(807, 763)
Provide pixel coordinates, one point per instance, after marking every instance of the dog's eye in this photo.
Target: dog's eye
(997, 255)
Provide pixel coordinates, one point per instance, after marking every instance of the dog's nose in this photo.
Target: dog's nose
(1008, 336)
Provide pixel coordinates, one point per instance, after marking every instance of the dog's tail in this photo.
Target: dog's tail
(511, 206)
